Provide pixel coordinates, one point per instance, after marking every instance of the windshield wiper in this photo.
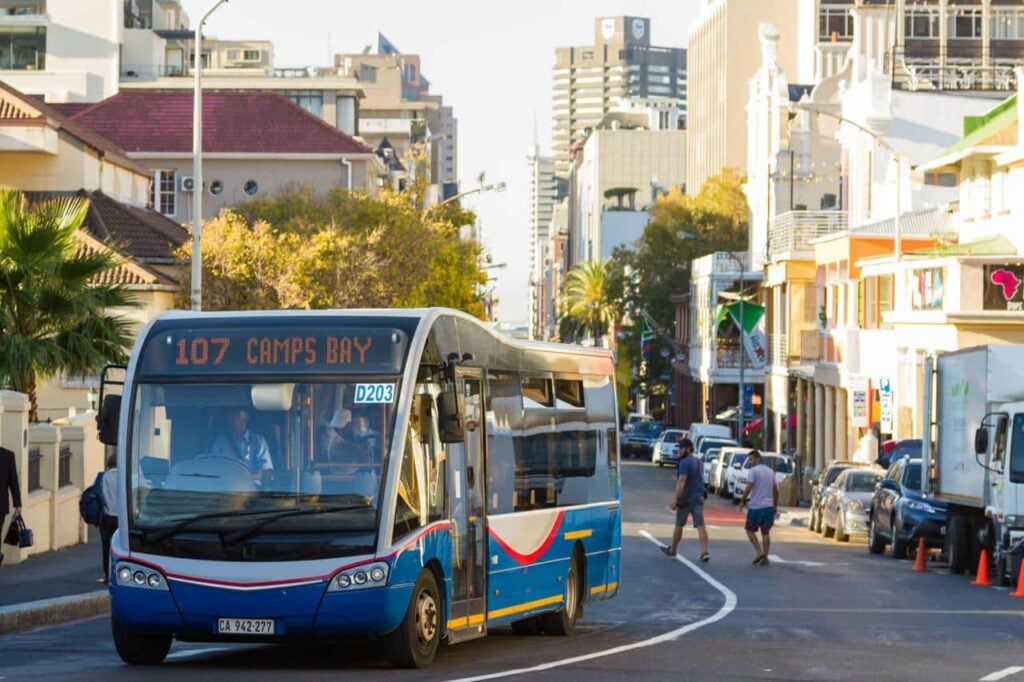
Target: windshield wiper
(156, 535)
(242, 535)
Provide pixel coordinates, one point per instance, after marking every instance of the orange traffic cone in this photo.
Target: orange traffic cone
(1020, 583)
(982, 579)
(919, 564)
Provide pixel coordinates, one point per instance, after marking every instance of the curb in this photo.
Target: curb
(18, 617)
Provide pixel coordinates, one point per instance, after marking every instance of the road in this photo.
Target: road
(822, 611)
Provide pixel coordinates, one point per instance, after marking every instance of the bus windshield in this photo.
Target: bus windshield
(258, 471)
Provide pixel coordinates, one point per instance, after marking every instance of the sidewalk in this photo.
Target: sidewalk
(53, 587)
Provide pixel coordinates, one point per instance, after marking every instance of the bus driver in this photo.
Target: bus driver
(248, 446)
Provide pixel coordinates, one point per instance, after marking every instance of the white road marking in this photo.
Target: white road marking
(1000, 674)
(189, 653)
(672, 635)
(775, 558)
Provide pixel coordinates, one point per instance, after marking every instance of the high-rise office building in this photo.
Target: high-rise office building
(590, 80)
(542, 202)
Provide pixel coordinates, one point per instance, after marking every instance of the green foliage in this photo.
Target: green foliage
(56, 315)
(338, 249)
(659, 266)
(589, 307)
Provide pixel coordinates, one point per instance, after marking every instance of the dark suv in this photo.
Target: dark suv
(638, 440)
(818, 487)
(900, 513)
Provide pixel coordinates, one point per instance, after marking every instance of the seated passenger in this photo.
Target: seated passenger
(356, 474)
(248, 446)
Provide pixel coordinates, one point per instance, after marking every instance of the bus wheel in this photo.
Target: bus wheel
(137, 648)
(414, 642)
(561, 623)
(527, 626)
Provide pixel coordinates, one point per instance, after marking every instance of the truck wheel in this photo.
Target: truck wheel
(900, 548)
(561, 623)
(958, 544)
(139, 648)
(414, 642)
(876, 543)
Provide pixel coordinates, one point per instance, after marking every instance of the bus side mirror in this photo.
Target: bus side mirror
(108, 418)
(449, 408)
(981, 441)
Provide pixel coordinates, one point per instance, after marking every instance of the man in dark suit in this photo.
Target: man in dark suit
(8, 482)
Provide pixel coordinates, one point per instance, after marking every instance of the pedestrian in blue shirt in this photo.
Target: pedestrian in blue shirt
(688, 499)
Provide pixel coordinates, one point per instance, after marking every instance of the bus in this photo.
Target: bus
(408, 475)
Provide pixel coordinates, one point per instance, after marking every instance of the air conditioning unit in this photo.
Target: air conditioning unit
(188, 183)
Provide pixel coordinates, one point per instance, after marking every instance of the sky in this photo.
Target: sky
(493, 63)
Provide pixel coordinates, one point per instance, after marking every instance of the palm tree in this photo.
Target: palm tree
(55, 308)
(588, 300)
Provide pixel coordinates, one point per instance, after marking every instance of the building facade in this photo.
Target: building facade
(542, 186)
(590, 80)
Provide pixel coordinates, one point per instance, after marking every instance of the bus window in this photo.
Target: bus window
(568, 393)
(407, 506)
(504, 405)
(423, 429)
(537, 392)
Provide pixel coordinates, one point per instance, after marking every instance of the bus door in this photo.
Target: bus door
(469, 529)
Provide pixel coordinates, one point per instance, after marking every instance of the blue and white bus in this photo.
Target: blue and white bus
(404, 474)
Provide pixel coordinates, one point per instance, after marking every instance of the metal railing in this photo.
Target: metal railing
(792, 232)
(778, 350)
(64, 466)
(35, 470)
(945, 71)
(154, 71)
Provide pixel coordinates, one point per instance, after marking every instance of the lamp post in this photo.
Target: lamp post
(742, 388)
(897, 157)
(197, 161)
(493, 187)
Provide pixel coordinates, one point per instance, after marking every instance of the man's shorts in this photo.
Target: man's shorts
(760, 519)
(695, 507)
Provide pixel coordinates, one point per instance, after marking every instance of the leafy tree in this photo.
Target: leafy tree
(338, 249)
(56, 311)
(589, 307)
(659, 266)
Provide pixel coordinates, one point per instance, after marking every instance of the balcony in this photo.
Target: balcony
(791, 233)
(778, 350)
(385, 126)
(721, 262)
(947, 71)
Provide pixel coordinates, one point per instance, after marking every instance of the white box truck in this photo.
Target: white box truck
(978, 453)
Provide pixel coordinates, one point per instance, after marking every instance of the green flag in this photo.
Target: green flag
(752, 314)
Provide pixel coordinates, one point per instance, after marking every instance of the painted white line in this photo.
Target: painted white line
(189, 653)
(672, 635)
(775, 558)
(1000, 674)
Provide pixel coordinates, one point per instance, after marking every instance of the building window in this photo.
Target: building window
(251, 55)
(20, 8)
(927, 289)
(310, 100)
(835, 20)
(965, 23)
(1007, 24)
(922, 22)
(233, 55)
(164, 194)
(346, 117)
(192, 59)
(217, 188)
(23, 48)
(138, 14)
(251, 187)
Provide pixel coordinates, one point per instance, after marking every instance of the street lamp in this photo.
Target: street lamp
(897, 157)
(741, 403)
(493, 187)
(197, 162)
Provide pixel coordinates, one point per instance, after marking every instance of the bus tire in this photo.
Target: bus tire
(562, 623)
(139, 648)
(414, 642)
(527, 627)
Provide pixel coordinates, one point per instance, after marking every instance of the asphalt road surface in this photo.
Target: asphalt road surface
(822, 611)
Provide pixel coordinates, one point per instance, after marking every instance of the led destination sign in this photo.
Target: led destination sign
(277, 351)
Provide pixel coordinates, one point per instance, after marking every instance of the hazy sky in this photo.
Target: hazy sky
(491, 60)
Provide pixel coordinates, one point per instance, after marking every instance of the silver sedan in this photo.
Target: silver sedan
(847, 501)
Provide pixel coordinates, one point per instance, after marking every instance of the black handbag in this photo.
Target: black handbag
(18, 535)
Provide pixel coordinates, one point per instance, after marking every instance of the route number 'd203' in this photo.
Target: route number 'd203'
(374, 393)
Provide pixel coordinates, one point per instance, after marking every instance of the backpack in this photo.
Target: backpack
(90, 505)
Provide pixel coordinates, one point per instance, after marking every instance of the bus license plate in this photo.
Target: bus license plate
(245, 626)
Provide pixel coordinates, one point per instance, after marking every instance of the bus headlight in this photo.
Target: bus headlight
(360, 577)
(129, 574)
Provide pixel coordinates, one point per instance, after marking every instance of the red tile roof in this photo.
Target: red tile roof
(233, 122)
(69, 109)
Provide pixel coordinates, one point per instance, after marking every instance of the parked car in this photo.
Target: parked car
(634, 418)
(699, 430)
(900, 513)
(732, 459)
(705, 443)
(782, 465)
(710, 463)
(847, 501)
(638, 440)
(822, 481)
(907, 447)
(664, 449)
